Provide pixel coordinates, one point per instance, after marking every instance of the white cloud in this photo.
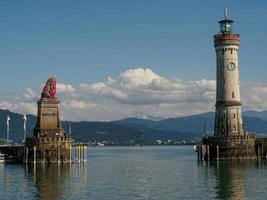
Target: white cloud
(254, 96)
(79, 104)
(29, 94)
(19, 107)
(65, 88)
(143, 86)
(135, 93)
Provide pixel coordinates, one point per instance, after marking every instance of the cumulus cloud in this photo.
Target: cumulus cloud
(29, 94)
(79, 104)
(143, 86)
(65, 88)
(254, 96)
(136, 92)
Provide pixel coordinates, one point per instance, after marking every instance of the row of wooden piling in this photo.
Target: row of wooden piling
(80, 154)
(260, 153)
(205, 154)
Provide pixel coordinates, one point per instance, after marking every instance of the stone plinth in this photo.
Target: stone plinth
(49, 143)
(239, 147)
(48, 120)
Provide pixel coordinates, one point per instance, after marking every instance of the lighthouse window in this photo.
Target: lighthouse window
(234, 115)
(223, 80)
(233, 95)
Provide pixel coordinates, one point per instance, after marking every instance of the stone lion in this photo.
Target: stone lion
(50, 89)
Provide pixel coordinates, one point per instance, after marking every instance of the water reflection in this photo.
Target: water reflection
(231, 178)
(49, 180)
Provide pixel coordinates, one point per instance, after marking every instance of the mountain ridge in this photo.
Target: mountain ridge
(134, 130)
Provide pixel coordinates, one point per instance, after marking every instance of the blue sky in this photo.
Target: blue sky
(87, 41)
(159, 55)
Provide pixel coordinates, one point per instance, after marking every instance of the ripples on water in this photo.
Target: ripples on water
(135, 173)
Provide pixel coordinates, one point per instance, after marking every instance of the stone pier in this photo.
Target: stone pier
(49, 143)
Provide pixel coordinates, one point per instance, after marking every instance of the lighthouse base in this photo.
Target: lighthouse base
(240, 147)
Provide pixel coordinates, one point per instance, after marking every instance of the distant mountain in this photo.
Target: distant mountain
(191, 124)
(254, 122)
(111, 132)
(259, 114)
(133, 130)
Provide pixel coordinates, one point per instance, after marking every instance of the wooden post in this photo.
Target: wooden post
(261, 152)
(27, 155)
(70, 153)
(83, 152)
(258, 152)
(34, 154)
(247, 151)
(208, 152)
(24, 155)
(86, 150)
(44, 156)
(218, 152)
(75, 153)
(197, 154)
(79, 153)
(201, 153)
(199, 149)
(58, 154)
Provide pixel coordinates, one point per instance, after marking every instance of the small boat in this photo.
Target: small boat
(2, 158)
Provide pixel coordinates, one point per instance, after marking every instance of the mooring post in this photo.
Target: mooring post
(75, 153)
(34, 154)
(86, 151)
(77, 148)
(258, 152)
(27, 155)
(44, 156)
(81, 158)
(83, 152)
(70, 154)
(262, 152)
(58, 154)
(247, 152)
(198, 152)
(79, 153)
(201, 153)
(24, 155)
(218, 152)
(208, 153)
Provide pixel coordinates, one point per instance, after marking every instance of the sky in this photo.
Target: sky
(124, 58)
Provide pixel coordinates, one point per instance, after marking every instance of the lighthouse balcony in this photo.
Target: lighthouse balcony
(226, 36)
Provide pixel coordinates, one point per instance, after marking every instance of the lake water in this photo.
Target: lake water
(135, 173)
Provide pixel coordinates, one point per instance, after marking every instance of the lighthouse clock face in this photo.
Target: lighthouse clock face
(231, 66)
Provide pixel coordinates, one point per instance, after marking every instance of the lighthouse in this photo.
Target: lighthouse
(228, 115)
(230, 141)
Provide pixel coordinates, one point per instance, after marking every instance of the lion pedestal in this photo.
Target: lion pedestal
(49, 143)
(48, 119)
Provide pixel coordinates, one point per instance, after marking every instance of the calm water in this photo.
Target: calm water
(122, 173)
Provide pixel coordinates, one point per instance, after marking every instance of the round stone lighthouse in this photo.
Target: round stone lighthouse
(230, 141)
(228, 117)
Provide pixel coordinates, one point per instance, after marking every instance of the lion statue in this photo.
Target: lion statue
(50, 89)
